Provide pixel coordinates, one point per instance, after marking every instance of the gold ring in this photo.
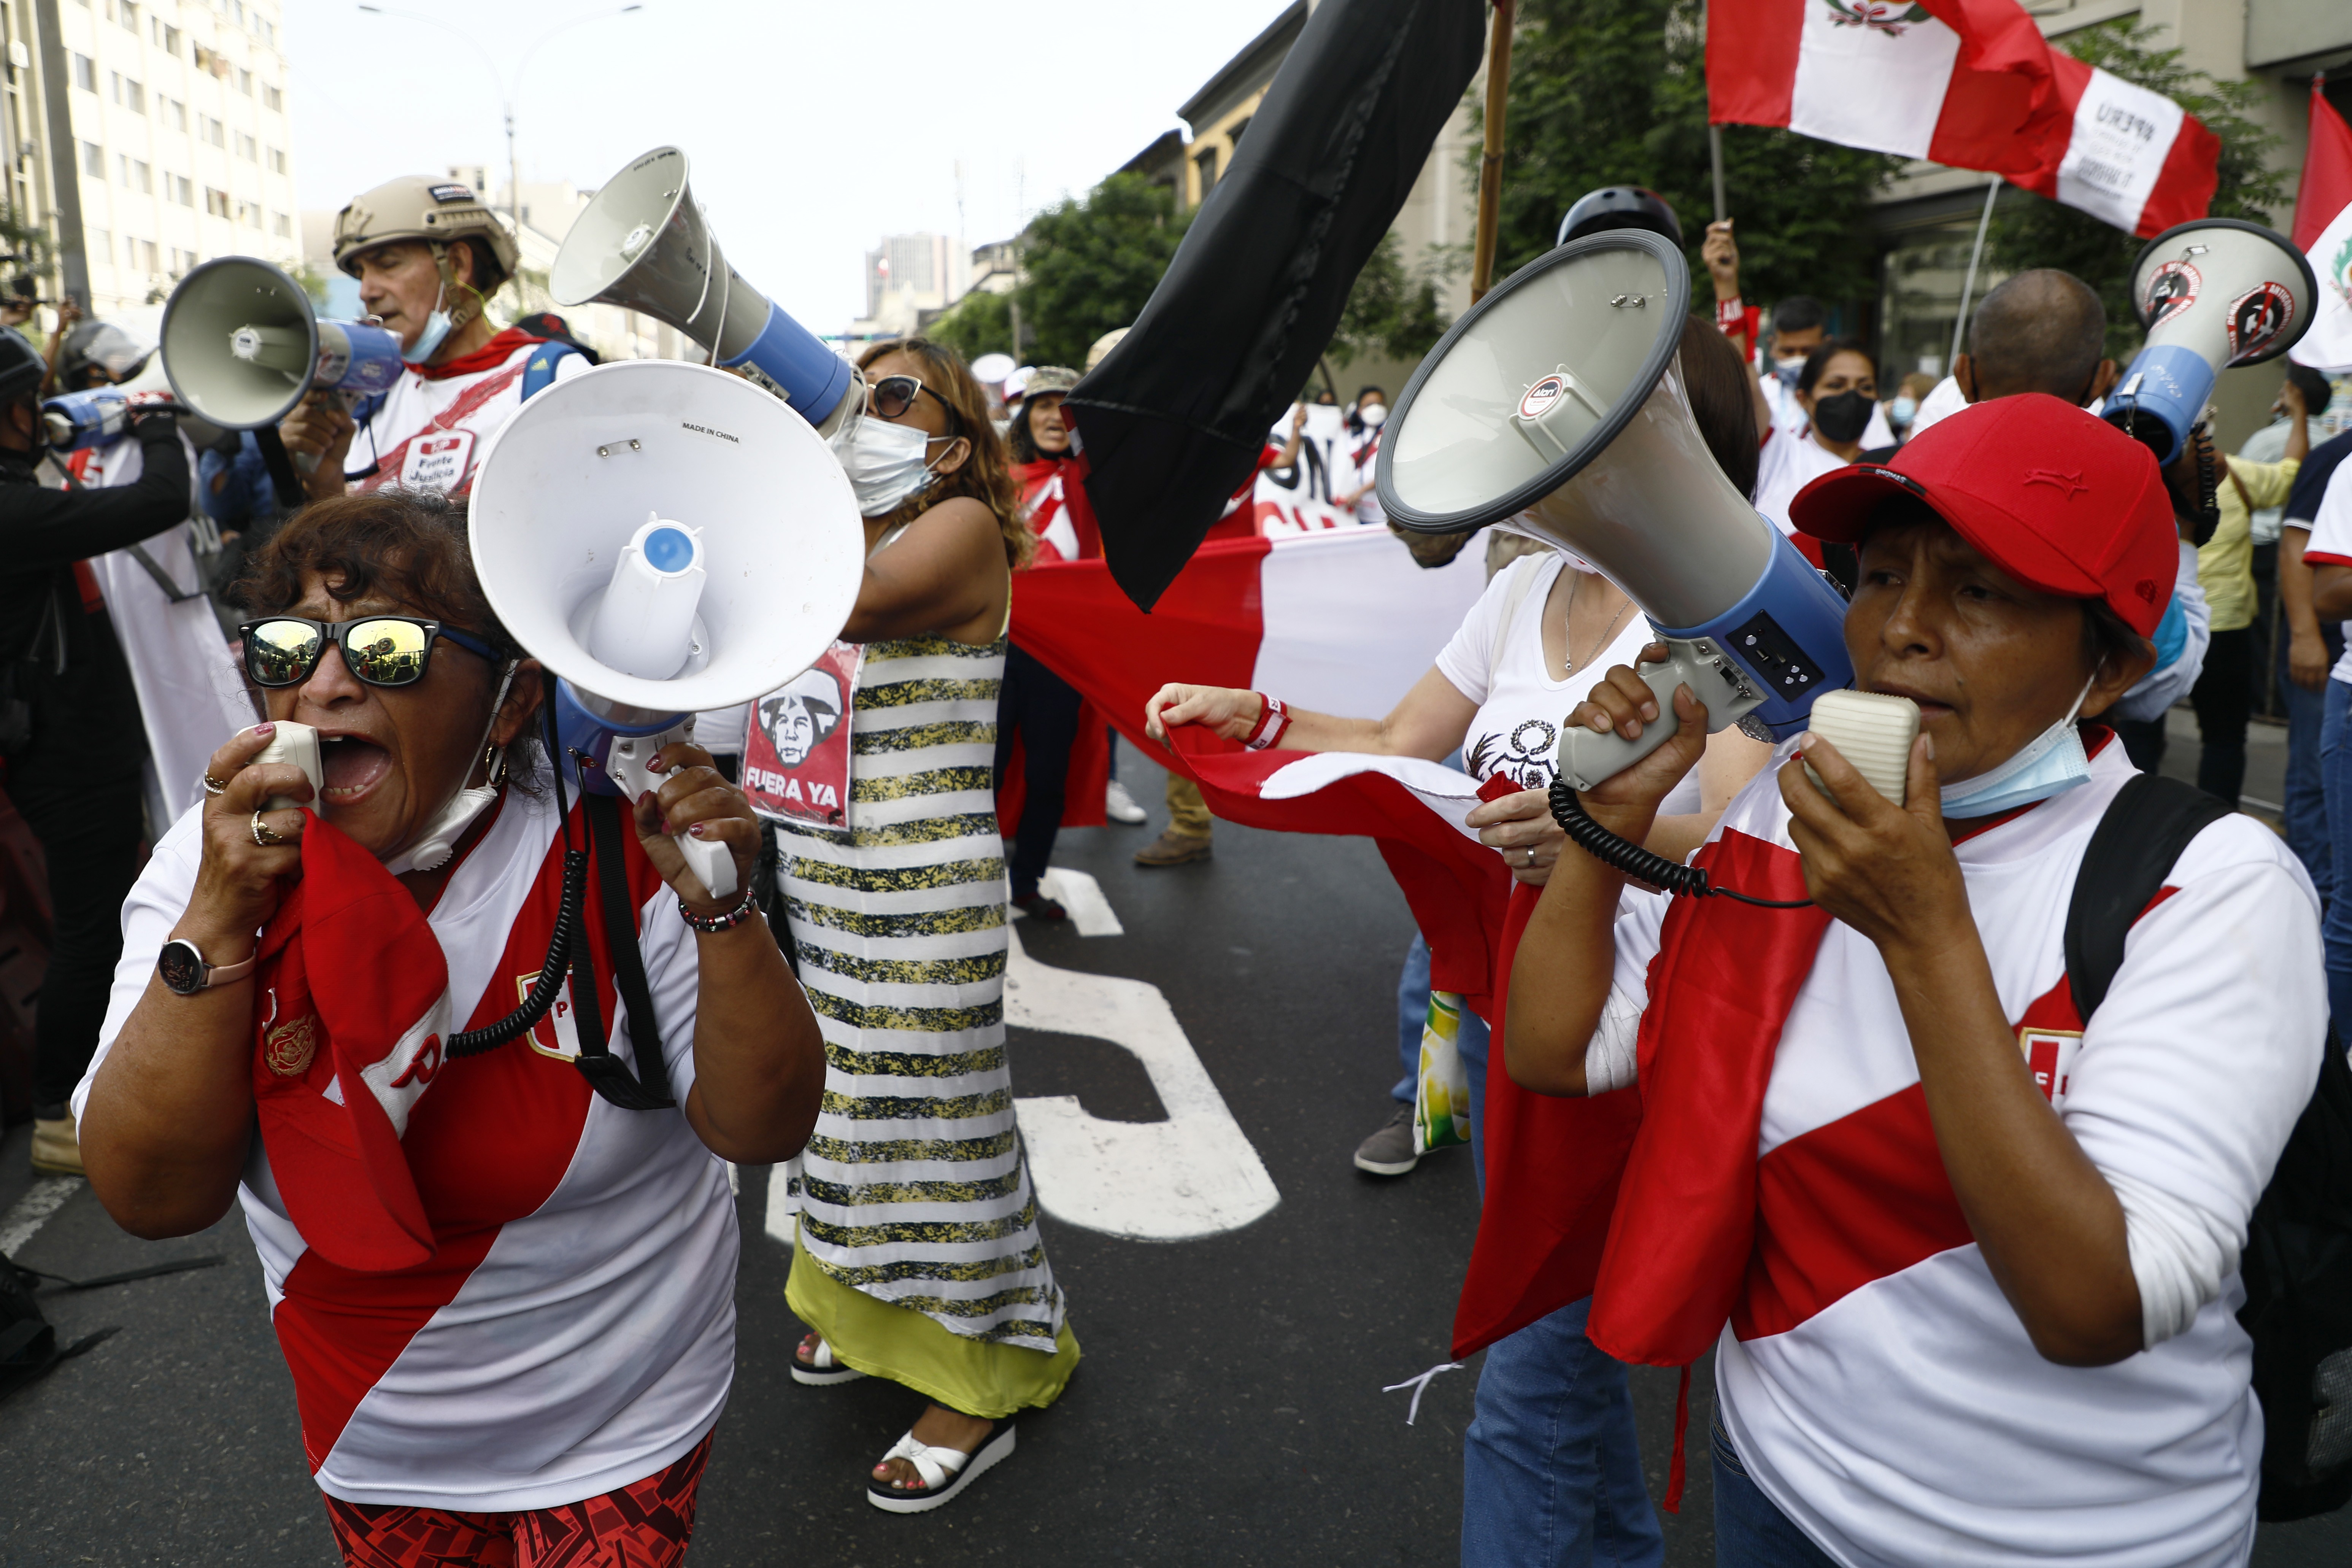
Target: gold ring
(213, 786)
(265, 836)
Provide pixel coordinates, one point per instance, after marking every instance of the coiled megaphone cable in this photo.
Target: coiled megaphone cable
(1644, 865)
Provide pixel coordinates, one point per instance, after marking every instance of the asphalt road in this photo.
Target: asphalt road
(1229, 1408)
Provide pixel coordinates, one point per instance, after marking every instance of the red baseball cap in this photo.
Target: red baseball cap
(2059, 499)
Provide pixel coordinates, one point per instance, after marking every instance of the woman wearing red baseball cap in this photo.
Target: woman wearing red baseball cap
(1969, 1259)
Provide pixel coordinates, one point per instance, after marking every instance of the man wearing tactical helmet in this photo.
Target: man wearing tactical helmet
(428, 256)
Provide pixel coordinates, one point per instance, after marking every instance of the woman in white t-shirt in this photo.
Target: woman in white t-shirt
(1837, 390)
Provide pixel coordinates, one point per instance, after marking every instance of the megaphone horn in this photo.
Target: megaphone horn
(2214, 294)
(1555, 402)
(642, 245)
(242, 346)
(667, 540)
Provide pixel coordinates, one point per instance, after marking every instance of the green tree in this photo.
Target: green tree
(1390, 311)
(1089, 263)
(2029, 230)
(980, 323)
(1616, 94)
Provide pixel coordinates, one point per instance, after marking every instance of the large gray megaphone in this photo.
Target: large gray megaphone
(2214, 294)
(1555, 402)
(642, 245)
(666, 539)
(242, 346)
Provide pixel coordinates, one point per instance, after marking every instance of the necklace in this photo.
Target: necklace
(1567, 657)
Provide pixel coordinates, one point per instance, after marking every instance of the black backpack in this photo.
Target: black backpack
(2297, 1263)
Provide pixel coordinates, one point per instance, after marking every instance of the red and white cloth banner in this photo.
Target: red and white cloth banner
(2322, 232)
(1970, 84)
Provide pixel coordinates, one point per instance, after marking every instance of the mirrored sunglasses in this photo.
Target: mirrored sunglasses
(382, 650)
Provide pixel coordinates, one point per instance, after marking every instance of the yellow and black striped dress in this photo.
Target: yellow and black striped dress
(914, 1187)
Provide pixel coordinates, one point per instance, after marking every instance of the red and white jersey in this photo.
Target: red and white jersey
(435, 422)
(574, 1328)
(2331, 542)
(1873, 1377)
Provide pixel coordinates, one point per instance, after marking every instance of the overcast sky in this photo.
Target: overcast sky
(814, 128)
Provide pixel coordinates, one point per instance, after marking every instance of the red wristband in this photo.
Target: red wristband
(1731, 315)
(1270, 724)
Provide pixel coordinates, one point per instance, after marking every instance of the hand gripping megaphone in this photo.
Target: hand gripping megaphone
(666, 539)
(1556, 401)
(242, 346)
(642, 245)
(2213, 295)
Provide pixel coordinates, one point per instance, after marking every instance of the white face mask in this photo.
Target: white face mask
(431, 851)
(436, 330)
(1375, 414)
(2050, 764)
(885, 463)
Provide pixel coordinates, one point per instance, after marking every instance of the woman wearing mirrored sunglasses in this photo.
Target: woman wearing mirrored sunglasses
(937, 1280)
(563, 1330)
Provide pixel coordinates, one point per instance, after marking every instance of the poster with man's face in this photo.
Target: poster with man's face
(796, 754)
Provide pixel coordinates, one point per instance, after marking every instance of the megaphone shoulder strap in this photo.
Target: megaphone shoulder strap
(618, 911)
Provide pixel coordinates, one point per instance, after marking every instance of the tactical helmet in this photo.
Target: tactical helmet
(1053, 378)
(1620, 206)
(414, 207)
(104, 345)
(22, 368)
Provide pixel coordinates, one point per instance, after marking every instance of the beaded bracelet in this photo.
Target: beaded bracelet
(727, 922)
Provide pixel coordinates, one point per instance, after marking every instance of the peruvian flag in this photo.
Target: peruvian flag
(2322, 232)
(1970, 84)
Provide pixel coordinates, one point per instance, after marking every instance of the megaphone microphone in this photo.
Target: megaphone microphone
(242, 346)
(642, 244)
(2213, 295)
(667, 540)
(1555, 402)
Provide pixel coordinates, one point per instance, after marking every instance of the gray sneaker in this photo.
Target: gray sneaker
(1389, 1152)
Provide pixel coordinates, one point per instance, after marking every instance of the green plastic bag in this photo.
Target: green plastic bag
(1441, 1095)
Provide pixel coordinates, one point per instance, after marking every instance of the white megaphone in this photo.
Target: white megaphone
(666, 539)
(1556, 403)
(2213, 295)
(242, 346)
(642, 245)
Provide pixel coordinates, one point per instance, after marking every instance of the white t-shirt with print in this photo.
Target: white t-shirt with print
(2331, 545)
(1520, 706)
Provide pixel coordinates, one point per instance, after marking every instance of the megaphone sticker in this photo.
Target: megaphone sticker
(2257, 318)
(2172, 291)
(1542, 395)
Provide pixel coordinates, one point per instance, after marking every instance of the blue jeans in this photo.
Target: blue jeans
(2336, 776)
(1551, 1472)
(1751, 1532)
(2306, 798)
(1412, 1011)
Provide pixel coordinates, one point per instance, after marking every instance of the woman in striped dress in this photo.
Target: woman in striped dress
(920, 1259)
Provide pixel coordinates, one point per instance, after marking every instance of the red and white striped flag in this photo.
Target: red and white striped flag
(1970, 84)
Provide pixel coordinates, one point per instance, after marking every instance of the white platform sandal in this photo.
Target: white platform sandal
(934, 1466)
(821, 1369)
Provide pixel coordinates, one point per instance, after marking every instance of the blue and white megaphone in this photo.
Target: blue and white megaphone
(75, 421)
(242, 346)
(2213, 295)
(1556, 403)
(642, 244)
(667, 540)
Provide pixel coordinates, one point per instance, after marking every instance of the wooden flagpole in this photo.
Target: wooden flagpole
(1490, 166)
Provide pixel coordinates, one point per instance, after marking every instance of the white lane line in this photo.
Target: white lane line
(1192, 1176)
(32, 1211)
(1078, 892)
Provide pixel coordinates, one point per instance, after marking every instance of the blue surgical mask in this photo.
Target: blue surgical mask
(1786, 371)
(436, 330)
(1902, 411)
(2050, 764)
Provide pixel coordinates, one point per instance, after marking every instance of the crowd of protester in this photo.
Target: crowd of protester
(1975, 1229)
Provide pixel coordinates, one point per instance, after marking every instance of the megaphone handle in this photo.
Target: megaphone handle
(1586, 757)
(711, 861)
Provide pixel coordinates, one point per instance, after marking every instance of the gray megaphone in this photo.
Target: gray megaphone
(241, 346)
(2213, 295)
(1556, 403)
(642, 244)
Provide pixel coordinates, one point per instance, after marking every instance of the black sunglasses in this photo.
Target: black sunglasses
(382, 650)
(894, 395)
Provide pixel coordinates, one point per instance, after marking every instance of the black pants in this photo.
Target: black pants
(2224, 699)
(77, 781)
(1042, 708)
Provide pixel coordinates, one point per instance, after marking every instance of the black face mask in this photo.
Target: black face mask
(1844, 417)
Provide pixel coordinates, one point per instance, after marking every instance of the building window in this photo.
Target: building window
(282, 225)
(93, 159)
(134, 97)
(85, 73)
(216, 203)
(176, 111)
(128, 15)
(247, 148)
(215, 131)
(249, 214)
(169, 38)
(147, 253)
(276, 161)
(137, 175)
(244, 82)
(237, 12)
(1205, 161)
(272, 98)
(102, 246)
(180, 189)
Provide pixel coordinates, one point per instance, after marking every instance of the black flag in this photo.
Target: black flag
(1173, 421)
